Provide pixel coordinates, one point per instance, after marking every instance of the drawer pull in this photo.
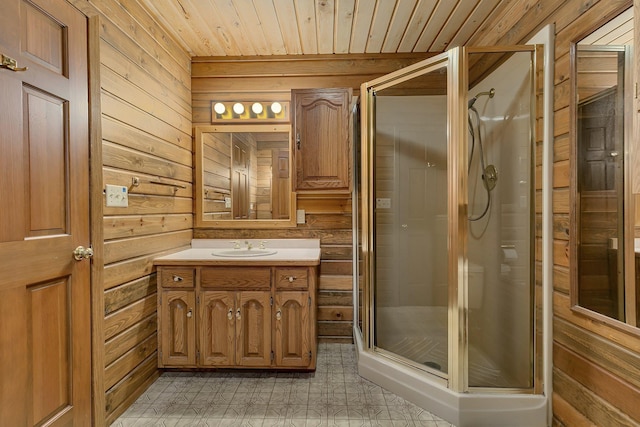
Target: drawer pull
(238, 315)
(230, 314)
(278, 314)
(189, 314)
(291, 278)
(177, 278)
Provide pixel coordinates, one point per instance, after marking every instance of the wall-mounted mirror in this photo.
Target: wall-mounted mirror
(243, 176)
(604, 221)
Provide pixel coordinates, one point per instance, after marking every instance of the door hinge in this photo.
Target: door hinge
(310, 354)
(271, 301)
(198, 299)
(198, 356)
(298, 140)
(309, 300)
(273, 356)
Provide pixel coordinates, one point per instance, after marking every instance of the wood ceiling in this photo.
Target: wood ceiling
(307, 27)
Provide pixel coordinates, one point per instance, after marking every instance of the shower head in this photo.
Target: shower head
(473, 100)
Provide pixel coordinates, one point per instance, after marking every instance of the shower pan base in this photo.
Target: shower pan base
(461, 409)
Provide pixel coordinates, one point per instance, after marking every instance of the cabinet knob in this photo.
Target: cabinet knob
(230, 314)
(291, 278)
(177, 278)
(238, 315)
(189, 314)
(278, 314)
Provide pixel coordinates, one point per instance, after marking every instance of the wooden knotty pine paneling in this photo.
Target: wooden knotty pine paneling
(145, 132)
(593, 361)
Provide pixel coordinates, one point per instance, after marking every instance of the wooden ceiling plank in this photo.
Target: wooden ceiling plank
(436, 22)
(223, 19)
(270, 26)
(458, 18)
(325, 20)
(344, 23)
(306, 17)
(420, 23)
(381, 20)
(363, 15)
(169, 17)
(476, 19)
(401, 16)
(286, 13)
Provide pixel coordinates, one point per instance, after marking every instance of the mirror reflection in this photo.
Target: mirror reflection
(244, 174)
(604, 205)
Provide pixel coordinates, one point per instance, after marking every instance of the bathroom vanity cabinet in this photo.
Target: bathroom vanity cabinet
(321, 130)
(236, 313)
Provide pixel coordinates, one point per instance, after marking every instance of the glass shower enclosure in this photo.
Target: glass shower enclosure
(447, 211)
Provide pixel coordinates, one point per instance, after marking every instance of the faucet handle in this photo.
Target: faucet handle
(236, 245)
(262, 243)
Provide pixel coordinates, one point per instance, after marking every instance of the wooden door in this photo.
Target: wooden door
(321, 129)
(280, 188)
(253, 328)
(293, 337)
(45, 336)
(240, 178)
(178, 328)
(217, 328)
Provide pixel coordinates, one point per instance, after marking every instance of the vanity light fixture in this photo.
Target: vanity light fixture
(219, 108)
(234, 111)
(257, 108)
(238, 108)
(276, 107)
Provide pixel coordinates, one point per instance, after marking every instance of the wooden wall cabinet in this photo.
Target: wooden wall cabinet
(322, 139)
(247, 317)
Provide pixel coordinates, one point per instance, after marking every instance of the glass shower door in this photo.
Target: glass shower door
(410, 220)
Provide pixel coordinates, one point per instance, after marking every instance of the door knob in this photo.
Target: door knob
(81, 253)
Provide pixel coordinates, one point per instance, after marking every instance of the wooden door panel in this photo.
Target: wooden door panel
(253, 330)
(43, 38)
(45, 335)
(217, 328)
(50, 336)
(45, 163)
(293, 337)
(178, 328)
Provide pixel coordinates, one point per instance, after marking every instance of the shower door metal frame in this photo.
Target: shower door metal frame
(456, 62)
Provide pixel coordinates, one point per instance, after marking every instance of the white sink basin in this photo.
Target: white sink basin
(244, 252)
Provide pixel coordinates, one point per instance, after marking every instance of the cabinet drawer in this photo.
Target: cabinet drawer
(236, 278)
(177, 277)
(292, 278)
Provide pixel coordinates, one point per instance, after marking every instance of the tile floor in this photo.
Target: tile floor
(334, 395)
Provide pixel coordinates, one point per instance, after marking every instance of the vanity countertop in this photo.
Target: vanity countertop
(303, 252)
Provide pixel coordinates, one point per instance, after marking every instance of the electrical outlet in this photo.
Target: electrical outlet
(117, 196)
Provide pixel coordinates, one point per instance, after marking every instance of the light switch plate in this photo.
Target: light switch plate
(300, 216)
(383, 203)
(117, 196)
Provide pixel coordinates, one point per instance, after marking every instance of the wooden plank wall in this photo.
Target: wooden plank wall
(328, 217)
(145, 101)
(596, 376)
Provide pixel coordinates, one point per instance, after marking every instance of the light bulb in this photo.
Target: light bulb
(238, 108)
(276, 108)
(256, 108)
(219, 108)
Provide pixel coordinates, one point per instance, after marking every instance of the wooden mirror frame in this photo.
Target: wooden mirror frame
(200, 221)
